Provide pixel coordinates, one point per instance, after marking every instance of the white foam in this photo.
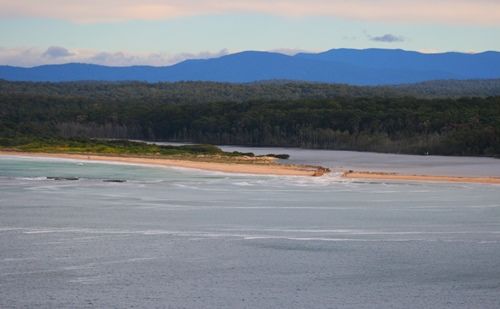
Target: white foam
(32, 178)
(243, 184)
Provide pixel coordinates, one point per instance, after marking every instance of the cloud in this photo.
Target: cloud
(387, 38)
(479, 12)
(201, 55)
(57, 52)
(28, 57)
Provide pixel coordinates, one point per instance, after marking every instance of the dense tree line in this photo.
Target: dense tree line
(467, 126)
(203, 92)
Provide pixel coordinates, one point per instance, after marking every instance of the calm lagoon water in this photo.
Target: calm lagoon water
(175, 238)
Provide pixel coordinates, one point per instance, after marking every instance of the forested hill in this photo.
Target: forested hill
(203, 92)
(467, 126)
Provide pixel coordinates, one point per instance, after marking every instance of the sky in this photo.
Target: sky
(164, 32)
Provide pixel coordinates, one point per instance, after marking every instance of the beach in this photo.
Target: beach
(257, 167)
(252, 167)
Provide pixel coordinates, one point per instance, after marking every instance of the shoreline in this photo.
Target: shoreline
(368, 175)
(271, 169)
(274, 169)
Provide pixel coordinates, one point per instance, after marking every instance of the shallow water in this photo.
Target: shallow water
(370, 161)
(178, 238)
(406, 164)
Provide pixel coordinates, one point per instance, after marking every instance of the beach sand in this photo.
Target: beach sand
(258, 168)
(270, 168)
(367, 175)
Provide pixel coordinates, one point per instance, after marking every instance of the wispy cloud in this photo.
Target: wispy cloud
(28, 57)
(481, 12)
(387, 38)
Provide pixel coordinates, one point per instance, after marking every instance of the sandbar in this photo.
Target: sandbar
(367, 175)
(270, 168)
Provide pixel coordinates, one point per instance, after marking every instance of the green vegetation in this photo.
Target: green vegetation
(111, 147)
(124, 148)
(205, 92)
(450, 126)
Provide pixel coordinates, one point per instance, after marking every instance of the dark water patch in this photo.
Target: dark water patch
(63, 178)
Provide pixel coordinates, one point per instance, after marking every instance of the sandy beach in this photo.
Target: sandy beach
(229, 167)
(252, 167)
(425, 178)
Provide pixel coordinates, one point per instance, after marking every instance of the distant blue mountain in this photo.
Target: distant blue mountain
(350, 66)
(471, 66)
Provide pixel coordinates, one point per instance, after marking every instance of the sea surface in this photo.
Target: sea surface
(180, 238)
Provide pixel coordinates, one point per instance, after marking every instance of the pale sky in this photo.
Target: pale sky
(162, 32)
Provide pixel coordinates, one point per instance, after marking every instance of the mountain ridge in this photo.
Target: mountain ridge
(349, 66)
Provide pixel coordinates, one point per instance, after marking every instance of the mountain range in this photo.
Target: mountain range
(347, 66)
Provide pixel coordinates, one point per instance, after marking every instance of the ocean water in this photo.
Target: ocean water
(179, 238)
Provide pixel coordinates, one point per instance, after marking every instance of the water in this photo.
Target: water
(406, 164)
(178, 238)
(369, 161)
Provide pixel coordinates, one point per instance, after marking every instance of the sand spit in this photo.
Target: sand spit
(426, 178)
(250, 167)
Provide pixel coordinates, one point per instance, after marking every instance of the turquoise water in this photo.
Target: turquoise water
(179, 238)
